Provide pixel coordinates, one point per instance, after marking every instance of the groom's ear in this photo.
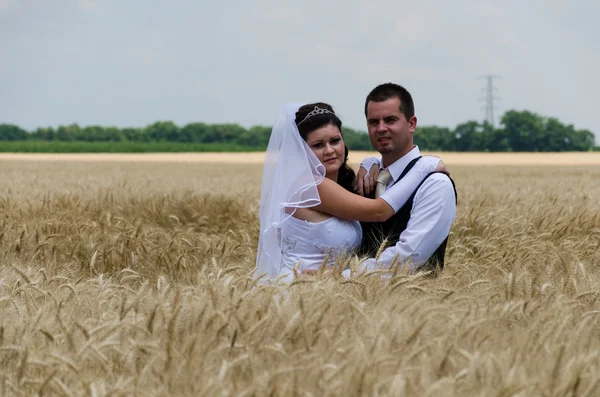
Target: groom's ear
(412, 124)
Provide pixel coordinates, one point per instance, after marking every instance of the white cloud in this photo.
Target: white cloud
(88, 5)
(6, 4)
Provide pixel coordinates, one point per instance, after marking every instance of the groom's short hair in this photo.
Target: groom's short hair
(385, 91)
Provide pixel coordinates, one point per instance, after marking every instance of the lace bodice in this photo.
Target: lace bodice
(310, 244)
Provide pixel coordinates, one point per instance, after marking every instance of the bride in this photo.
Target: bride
(309, 211)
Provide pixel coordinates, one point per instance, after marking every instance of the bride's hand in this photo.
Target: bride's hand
(366, 182)
(441, 167)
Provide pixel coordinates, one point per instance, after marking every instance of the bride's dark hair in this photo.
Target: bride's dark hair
(346, 175)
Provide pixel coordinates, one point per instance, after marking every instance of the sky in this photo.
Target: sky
(129, 63)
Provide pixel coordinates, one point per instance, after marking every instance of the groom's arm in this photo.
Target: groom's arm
(434, 210)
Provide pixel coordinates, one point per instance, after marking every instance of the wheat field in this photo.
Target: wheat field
(133, 278)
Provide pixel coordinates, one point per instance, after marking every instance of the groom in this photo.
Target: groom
(416, 236)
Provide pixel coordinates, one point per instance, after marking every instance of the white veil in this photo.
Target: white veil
(290, 177)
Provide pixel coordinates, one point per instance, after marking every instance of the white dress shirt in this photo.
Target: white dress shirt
(432, 214)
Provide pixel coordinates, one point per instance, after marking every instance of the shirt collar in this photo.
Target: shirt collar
(399, 165)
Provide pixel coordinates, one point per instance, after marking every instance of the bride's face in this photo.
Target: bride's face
(328, 145)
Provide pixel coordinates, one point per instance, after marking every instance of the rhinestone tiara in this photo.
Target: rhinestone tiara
(316, 111)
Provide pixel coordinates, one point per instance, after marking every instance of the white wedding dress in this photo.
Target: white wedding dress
(310, 245)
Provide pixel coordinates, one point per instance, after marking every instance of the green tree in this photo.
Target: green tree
(519, 131)
(356, 140)
(134, 135)
(227, 132)
(43, 134)
(256, 136)
(582, 140)
(93, 133)
(434, 138)
(162, 131)
(11, 132)
(68, 132)
(524, 131)
(195, 132)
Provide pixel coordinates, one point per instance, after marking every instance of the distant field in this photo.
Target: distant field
(33, 146)
(533, 159)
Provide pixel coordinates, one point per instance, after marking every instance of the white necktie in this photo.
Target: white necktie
(382, 181)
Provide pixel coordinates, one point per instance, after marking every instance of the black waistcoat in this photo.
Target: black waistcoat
(374, 233)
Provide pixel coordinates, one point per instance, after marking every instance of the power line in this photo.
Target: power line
(490, 97)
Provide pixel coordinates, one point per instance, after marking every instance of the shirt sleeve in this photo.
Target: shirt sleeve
(369, 162)
(397, 195)
(433, 212)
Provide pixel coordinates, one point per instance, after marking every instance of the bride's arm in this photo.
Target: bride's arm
(337, 201)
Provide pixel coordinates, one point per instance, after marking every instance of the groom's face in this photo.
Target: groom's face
(391, 134)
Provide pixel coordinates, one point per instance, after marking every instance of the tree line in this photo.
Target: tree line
(519, 131)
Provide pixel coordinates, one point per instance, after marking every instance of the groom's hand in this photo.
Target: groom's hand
(365, 184)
